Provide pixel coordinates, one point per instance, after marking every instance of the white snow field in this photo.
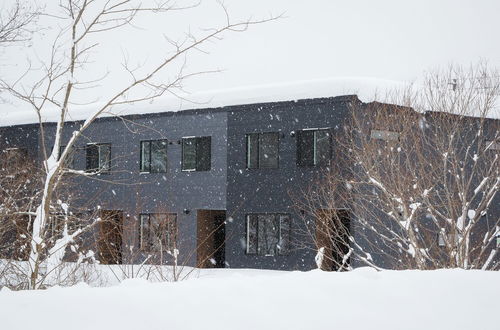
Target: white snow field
(252, 299)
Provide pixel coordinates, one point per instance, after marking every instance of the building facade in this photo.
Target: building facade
(218, 185)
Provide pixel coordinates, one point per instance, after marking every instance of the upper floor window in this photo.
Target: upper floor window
(314, 147)
(196, 153)
(493, 145)
(268, 234)
(98, 157)
(262, 150)
(154, 156)
(384, 135)
(158, 231)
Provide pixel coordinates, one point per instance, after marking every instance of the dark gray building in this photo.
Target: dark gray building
(222, 181)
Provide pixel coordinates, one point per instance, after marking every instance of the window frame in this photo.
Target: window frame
(247, 153)
(384, 135)
(279, 252)
(316, 161)
(98, 170)
(197, 166)
(167, 233)
(151, 156)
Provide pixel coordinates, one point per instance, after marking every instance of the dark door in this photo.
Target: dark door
(110, 237)
(219, 240)
(341, 244)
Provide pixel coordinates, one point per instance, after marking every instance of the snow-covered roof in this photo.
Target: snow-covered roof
(365, 88)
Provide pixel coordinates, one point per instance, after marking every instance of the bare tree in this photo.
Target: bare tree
(85, 23)
(16, 23)
(422, 183)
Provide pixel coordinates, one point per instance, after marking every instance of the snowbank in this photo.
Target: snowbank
(249, 299)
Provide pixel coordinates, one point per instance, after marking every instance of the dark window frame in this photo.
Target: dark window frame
(301, 161)
(279, 252)
(199, 166)
(98, 169)
(150, 156)
(172, 241)
(247, 153)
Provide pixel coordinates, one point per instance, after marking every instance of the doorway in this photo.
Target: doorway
(211, 238)
(333, 228)
(109, 243)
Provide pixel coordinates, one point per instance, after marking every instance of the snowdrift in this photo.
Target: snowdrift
(250, 299)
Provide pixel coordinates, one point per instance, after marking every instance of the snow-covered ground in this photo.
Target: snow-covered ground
(252, 299)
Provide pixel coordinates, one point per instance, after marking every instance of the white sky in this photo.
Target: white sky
(389, 39)
(383, 39)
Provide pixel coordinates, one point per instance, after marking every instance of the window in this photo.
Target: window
(268, 234)
(442, 242)
(314, 147)
(384, 135)
(492, 145)
(154, 156)
(498, 241)
(68, 163)
(98, 157)
(196, 153)
(15, 154)
(158, 231)
(262, 150)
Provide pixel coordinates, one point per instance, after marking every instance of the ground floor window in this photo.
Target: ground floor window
(158, 231)
(268, 234)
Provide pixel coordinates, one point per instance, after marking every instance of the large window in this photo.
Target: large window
(196, 153)
(158, 231)
(314, 147)
(154, 156)
(262, 150)
(268, 234)
(98, 157)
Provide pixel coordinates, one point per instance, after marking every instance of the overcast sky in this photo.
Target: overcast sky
(390, 39)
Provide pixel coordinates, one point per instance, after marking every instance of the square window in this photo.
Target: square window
(153, 156)
(262, 150)
(157, 232)
(268, 234)
(196, 153)
(314, 147)
(493, 145)
(98, 157)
